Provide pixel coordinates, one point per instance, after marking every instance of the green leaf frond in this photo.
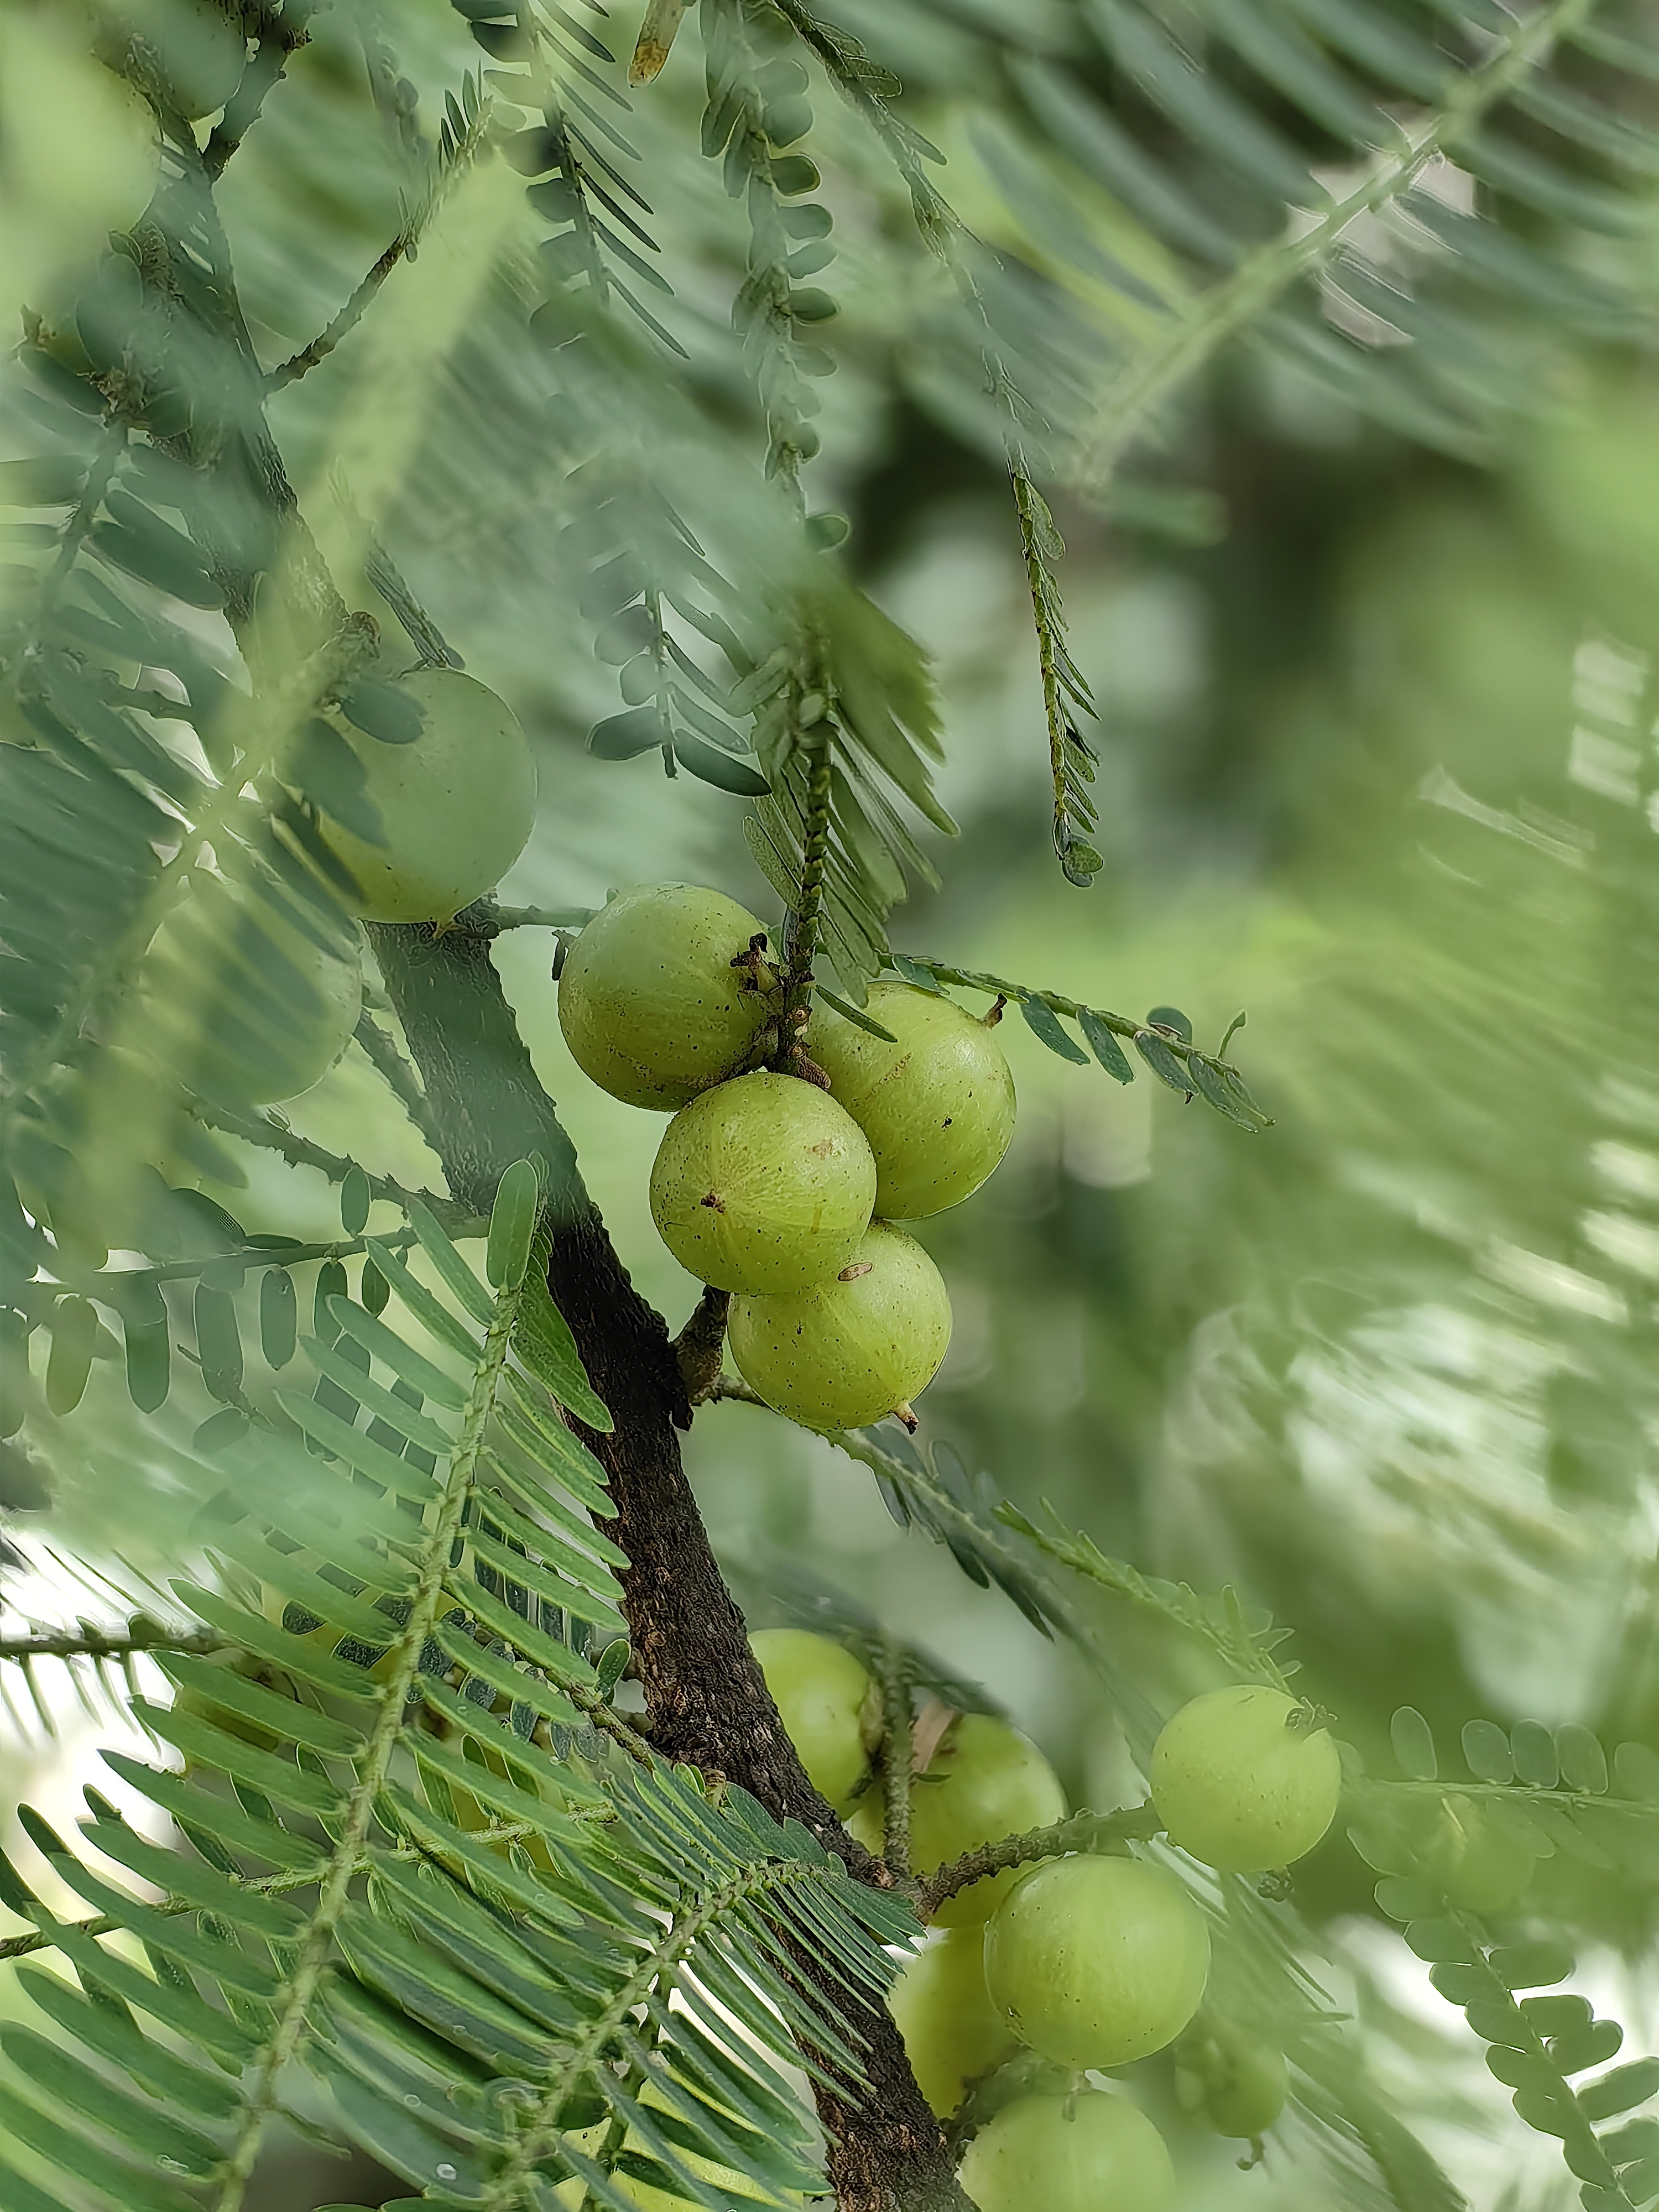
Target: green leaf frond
(1164, 1040)
(758, 107)
(552, 63)
(1539, 2038)
(462, 135)
(420, 1853)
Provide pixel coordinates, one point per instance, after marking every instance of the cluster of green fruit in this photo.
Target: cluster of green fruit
(1090, 1961)
(782, 1191)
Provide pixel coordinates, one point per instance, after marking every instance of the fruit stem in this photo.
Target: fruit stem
(897, 1754)
(1083, 1831)
(700, 1345)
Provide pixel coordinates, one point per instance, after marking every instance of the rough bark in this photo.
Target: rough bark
(706, 1699)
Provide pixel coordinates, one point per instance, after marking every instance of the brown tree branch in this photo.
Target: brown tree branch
(706, 1699)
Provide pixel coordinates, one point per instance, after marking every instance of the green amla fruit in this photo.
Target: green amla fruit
(985, 1781)
(457, 804)
(244, 997)
(1069, 2154)
(1246, 1778)
(850, 1350)
(1228, 2080)
(938, 1106)
(663, 993)
(952, 2032)
(201, 47)
(764, 1184)
(79, 153)
(819, 1689)
(1097, 1961)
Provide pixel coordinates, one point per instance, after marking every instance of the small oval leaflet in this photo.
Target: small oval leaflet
(1535, 1758)
(74, 1330)
(1531, 1966)
(218, 1341)
(383, 711)
(1413, 1744)
(330, 1284)
(1486, 1752)
(625, 737)
(1044, 1024)
(279, 1328)
(709, 766)
(354, 1202)
(1164, 1063)
(1106, 1048)
(1584, 1762)
(512, 1225)
(1619, 2091)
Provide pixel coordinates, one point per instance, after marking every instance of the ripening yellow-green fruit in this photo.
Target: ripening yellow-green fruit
(1246, 1778)
(1230, 2080)
(763, 1184)
(819, 1689)
(936, 1105)
(199, 47)
(457, 804)
(662, 994)
(79, 154)
(854, 1348)
(953, 2034)
(1095, 2152)
(1094, 1961)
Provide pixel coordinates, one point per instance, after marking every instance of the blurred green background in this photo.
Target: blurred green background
(1376, 730)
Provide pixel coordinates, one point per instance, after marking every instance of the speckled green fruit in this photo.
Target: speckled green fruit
(79, 152)
(1243, 1781)
(818, 1688)
(952, 2032)
(763, 1184)
(1476, 1865)
(1230, 2080)
(651, 1005)
(1096, 1961)
(861, 1345)
(241, 999)
(1101, 2153)
(986, 1781)
(938, 1106)
(457, 804)
(201, 49)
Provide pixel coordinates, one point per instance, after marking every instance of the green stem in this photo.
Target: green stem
(973, 979)
(298, 1152)
(897, 1754)
(112, 1644)
(1083, 1831)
